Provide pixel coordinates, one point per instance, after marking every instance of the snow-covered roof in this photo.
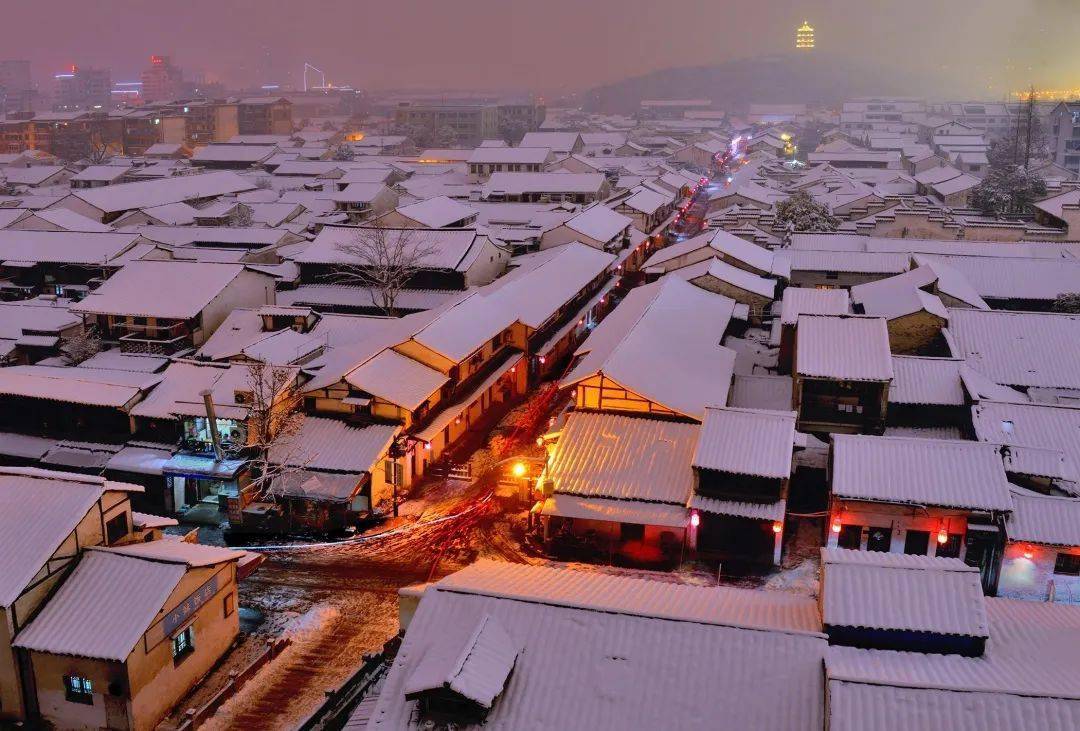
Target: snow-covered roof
(67, 247)
(476, 670)
(233, 153)
(843, 347)
(852, 262)
(599, 223)
(1019, 348)
(522, 183)
(397, 378)
(761, 392)
(1004, 278)
(936, 472)
(926, 381)
(901, 593)
(451, 248)
(128, 595)
(580, 631)
(806, 301)
(663, 343)
(728, 274)
(624, 457)
(1026, 680)
(1047, 519)
(330, 444)
(88, 386)
(177, 189)
(502, 155)
(437, 212)
(746, 442)
(38, 510)
(175, 290)
(1026, 427)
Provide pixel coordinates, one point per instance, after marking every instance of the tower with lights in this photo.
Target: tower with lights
(804, 37)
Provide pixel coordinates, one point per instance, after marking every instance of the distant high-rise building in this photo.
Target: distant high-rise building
(16, 91)
(161, 81)
(83, 88)
(804, 36)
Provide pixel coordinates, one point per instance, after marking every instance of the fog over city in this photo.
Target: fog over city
(978, 48)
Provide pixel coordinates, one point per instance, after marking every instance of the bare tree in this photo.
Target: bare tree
(243, 217)
(274, 421)
(81, 346)
(384, 260)
(99, 149)
(264, 183)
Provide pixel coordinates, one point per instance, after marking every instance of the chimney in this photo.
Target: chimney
(211, 420)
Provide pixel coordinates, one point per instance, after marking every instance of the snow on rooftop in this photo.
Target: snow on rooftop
(935, 472)
(898, 592)
(847, 348)
(171, 290)
(127, 594)
(746, 442)
(662, 343)
(177, 189)
(599, 223)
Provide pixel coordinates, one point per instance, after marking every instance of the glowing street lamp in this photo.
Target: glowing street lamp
(519, 469)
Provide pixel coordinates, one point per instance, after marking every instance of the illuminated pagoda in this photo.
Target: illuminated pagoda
(804, 36)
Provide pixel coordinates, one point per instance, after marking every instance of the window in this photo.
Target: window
(850, 537)
(631, 532)
(1067, 564)
(917, 542)
(78, 689)
(116, 528)
(879, 539)
(183, 643)
(951, 547)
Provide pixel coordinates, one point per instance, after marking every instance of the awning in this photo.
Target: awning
(616, 511)
(143, 460)
(754, 511)
(200, 467)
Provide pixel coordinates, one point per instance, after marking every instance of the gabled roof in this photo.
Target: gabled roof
(847, 348)
(1032, 427)
(806, 301)
(927, 381)
(451, 247)
(663, 343)
(181, 188)
(1049, 520)
(599, 223)
(167, 289)
(1019, 348)
(902, 593)
(909, 471)
(746, 442)
(437, 212)
(333, 445)
(624, 457)
(67, 247)
(38, 510)
(127, 594)
(728, 274)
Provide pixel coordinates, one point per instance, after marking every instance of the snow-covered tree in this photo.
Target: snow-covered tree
(1067, 302)
(800, 212)
(385, 259)
(343, 153)
(1007, 189)
(81, 346)
(273, 425)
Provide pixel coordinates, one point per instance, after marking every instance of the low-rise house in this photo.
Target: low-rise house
(1039, 440)
(232, 157)
(166, 612)
(914, 603)
(742, 467)
(110, 202)
(437, 212)
(460, 258)
(624, 481)
(546, 188)
(325, 478)
(598, 226)
(560, 143)
(31, 330)
(47, 518)
(166, 306)
(62, 263)
(920, 496)
(362, 201)
(484, 161)
(714, 275)
(517, 618)
(842, 370)
(798, 301)
(37, 176)
(98, 176)
(1041, 557)
(915, 318)
(628, 363)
